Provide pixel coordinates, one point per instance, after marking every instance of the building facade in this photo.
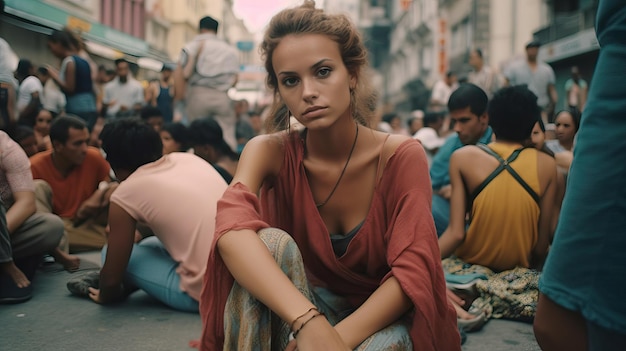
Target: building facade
(431, 37)
(569, 40)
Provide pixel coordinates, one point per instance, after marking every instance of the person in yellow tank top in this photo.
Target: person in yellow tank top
(503, 193)
(508, 212)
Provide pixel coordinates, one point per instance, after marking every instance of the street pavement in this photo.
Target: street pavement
(55, 320)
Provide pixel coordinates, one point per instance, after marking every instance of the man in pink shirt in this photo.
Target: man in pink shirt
(176, 197)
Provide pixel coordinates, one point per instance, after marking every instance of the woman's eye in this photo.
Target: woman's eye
(324, 72)
(289, 82)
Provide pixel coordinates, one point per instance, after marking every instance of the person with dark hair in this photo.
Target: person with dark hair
(576, 89)
(355, 263)
(74, 78)
(506, 191)
(153, 117)
(442, 90)
(206, 139)
(429, 134)
(537, 76)
(123, 96)
(72, 181)
(160, 93)
(42, 130)
(52, 99)
(482, 75)
(24, 234)
(170, 265)
(29, 94)
(566, 123)
(25, 137)
(207, 68)
(468, 112)
(175, 138)
(581, 303)
(394, 121)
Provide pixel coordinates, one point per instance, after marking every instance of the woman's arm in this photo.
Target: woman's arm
(385, 306)
(252, 265)
(68, 83)
(245, 255)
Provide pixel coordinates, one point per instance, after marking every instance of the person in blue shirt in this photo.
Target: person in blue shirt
(468, 112)
(581, 305)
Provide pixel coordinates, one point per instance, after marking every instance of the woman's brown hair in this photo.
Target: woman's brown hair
(306, 19)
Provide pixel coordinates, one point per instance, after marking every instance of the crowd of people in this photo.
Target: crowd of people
(319, 228)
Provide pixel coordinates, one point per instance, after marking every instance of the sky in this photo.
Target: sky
(257, 13)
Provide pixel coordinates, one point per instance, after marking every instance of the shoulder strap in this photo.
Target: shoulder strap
(504, 164)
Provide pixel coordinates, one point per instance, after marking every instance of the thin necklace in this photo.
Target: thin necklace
(356, 136)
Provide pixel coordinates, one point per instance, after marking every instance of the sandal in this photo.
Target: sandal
(472, 325)
(79, 285)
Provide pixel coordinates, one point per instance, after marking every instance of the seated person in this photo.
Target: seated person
(24, 234)
(538, 139)
(25, 137)
(468, 111)
(42, 130)
(171, 264)
(566, 125)
(175, 138)
(428, 135)
(206, 139)
(509, 203)
(153, 117)
(355, 263)
(72, 181)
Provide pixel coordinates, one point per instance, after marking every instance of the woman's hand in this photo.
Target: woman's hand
(54, 74)
(317, 334)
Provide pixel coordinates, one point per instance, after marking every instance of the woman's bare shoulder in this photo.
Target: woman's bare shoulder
(261, 157)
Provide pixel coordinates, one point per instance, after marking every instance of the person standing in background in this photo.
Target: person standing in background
(8, 85)
(161, 92)
(74, 78)
(53, 98)
(29, 93)
(123, 96)
(538, 76)
(482, 75)
(576, 91)
(207, 68)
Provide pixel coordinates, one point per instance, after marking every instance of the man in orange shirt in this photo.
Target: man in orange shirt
(72, 181)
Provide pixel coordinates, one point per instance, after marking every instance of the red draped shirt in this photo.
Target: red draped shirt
(397, 238)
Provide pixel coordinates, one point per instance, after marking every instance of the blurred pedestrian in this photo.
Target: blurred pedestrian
(207, 68)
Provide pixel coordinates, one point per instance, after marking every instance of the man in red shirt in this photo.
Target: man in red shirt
(72, 181)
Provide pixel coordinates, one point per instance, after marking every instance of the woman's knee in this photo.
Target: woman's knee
(279, 242)
(393, 337)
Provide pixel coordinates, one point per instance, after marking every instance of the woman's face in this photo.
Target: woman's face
(169, 144)
(42, 123)
(538, 137)
(565, 129)
(312, 79)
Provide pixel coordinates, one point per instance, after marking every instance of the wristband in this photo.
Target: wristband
(295, 333)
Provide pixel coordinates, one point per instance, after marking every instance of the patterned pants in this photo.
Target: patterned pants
(250, 325)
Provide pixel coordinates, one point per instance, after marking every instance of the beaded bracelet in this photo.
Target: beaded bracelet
(293, 334)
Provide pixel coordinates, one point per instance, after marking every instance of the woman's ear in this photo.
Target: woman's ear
(353, 81)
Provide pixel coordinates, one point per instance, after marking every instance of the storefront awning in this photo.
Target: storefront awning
(40, 17)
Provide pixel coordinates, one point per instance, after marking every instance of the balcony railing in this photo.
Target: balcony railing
(564, 25)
